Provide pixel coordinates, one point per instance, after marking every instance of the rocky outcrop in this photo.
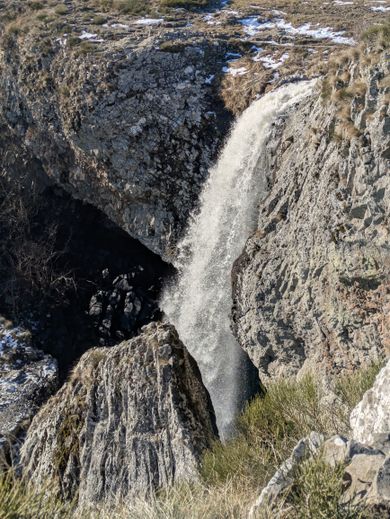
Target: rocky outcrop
(27, 378)
(311, 289)
(126, 123)
(370, 419)
(284, 476)
(131, 419)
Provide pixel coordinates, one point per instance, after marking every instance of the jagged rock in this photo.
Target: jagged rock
(359, 476)
(284, 476)
(123, 305)
(371, 417)
(27, 378)
(340, 450)
(130, 419)
(126, 128)
(311, 288)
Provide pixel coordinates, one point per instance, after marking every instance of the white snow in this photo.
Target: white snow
(239, 71)
(339, 2)
(253, 26)
(210, 20)
(117, 26)
(270, 62)
(380, 9)
(232, 56)
(149, 21)
(90, 37)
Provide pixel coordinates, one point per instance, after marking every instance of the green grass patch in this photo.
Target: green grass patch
(317, 491)
(271, 425)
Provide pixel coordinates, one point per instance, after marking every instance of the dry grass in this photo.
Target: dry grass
(234, 473)
(20, 500)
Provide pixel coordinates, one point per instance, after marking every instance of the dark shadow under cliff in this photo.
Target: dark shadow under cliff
(72, 275)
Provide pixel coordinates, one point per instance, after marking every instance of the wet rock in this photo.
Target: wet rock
(27, 378)
(131, 418)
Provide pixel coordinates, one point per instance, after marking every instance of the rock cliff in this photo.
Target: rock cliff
(128, 125)
(311, 289)
(131, 418)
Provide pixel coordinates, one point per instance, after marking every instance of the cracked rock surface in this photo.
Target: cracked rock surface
(311, 289)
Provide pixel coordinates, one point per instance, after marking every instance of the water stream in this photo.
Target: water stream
(199, 302)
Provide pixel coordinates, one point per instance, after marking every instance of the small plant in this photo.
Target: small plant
(351, 388)
(99, 20)
(316, 493)
(187, 4)
(378, 35)
(129, 6)
(36, 6)
(61, 9)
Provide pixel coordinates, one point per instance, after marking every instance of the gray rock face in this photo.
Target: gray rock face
(131, 418)
(131, 129)
(366, 479)
(311, 287)
(371, 417)
(27, 378)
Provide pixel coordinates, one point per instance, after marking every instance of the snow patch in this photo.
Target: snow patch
(116, 26)
(210, 20)
(270, 62)
(380, 9)
(240, 71)
(253, 26)
(90, 37)
(149, 21)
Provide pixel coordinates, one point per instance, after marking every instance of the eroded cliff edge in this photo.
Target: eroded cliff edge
(130, 128)
(311, 290)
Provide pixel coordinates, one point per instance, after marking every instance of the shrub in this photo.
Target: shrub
(378, 35)
(187, 4)
(317, 491)
(61, 9)
(129, 6)
(270, 426)
(28, 253)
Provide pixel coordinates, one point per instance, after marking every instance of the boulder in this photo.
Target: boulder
(127, 129)
(131, 419)
(284, 476)
(371, 417)
(27, 378)
(310, 289)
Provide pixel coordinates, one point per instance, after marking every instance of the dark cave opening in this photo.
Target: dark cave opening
(109, 282)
